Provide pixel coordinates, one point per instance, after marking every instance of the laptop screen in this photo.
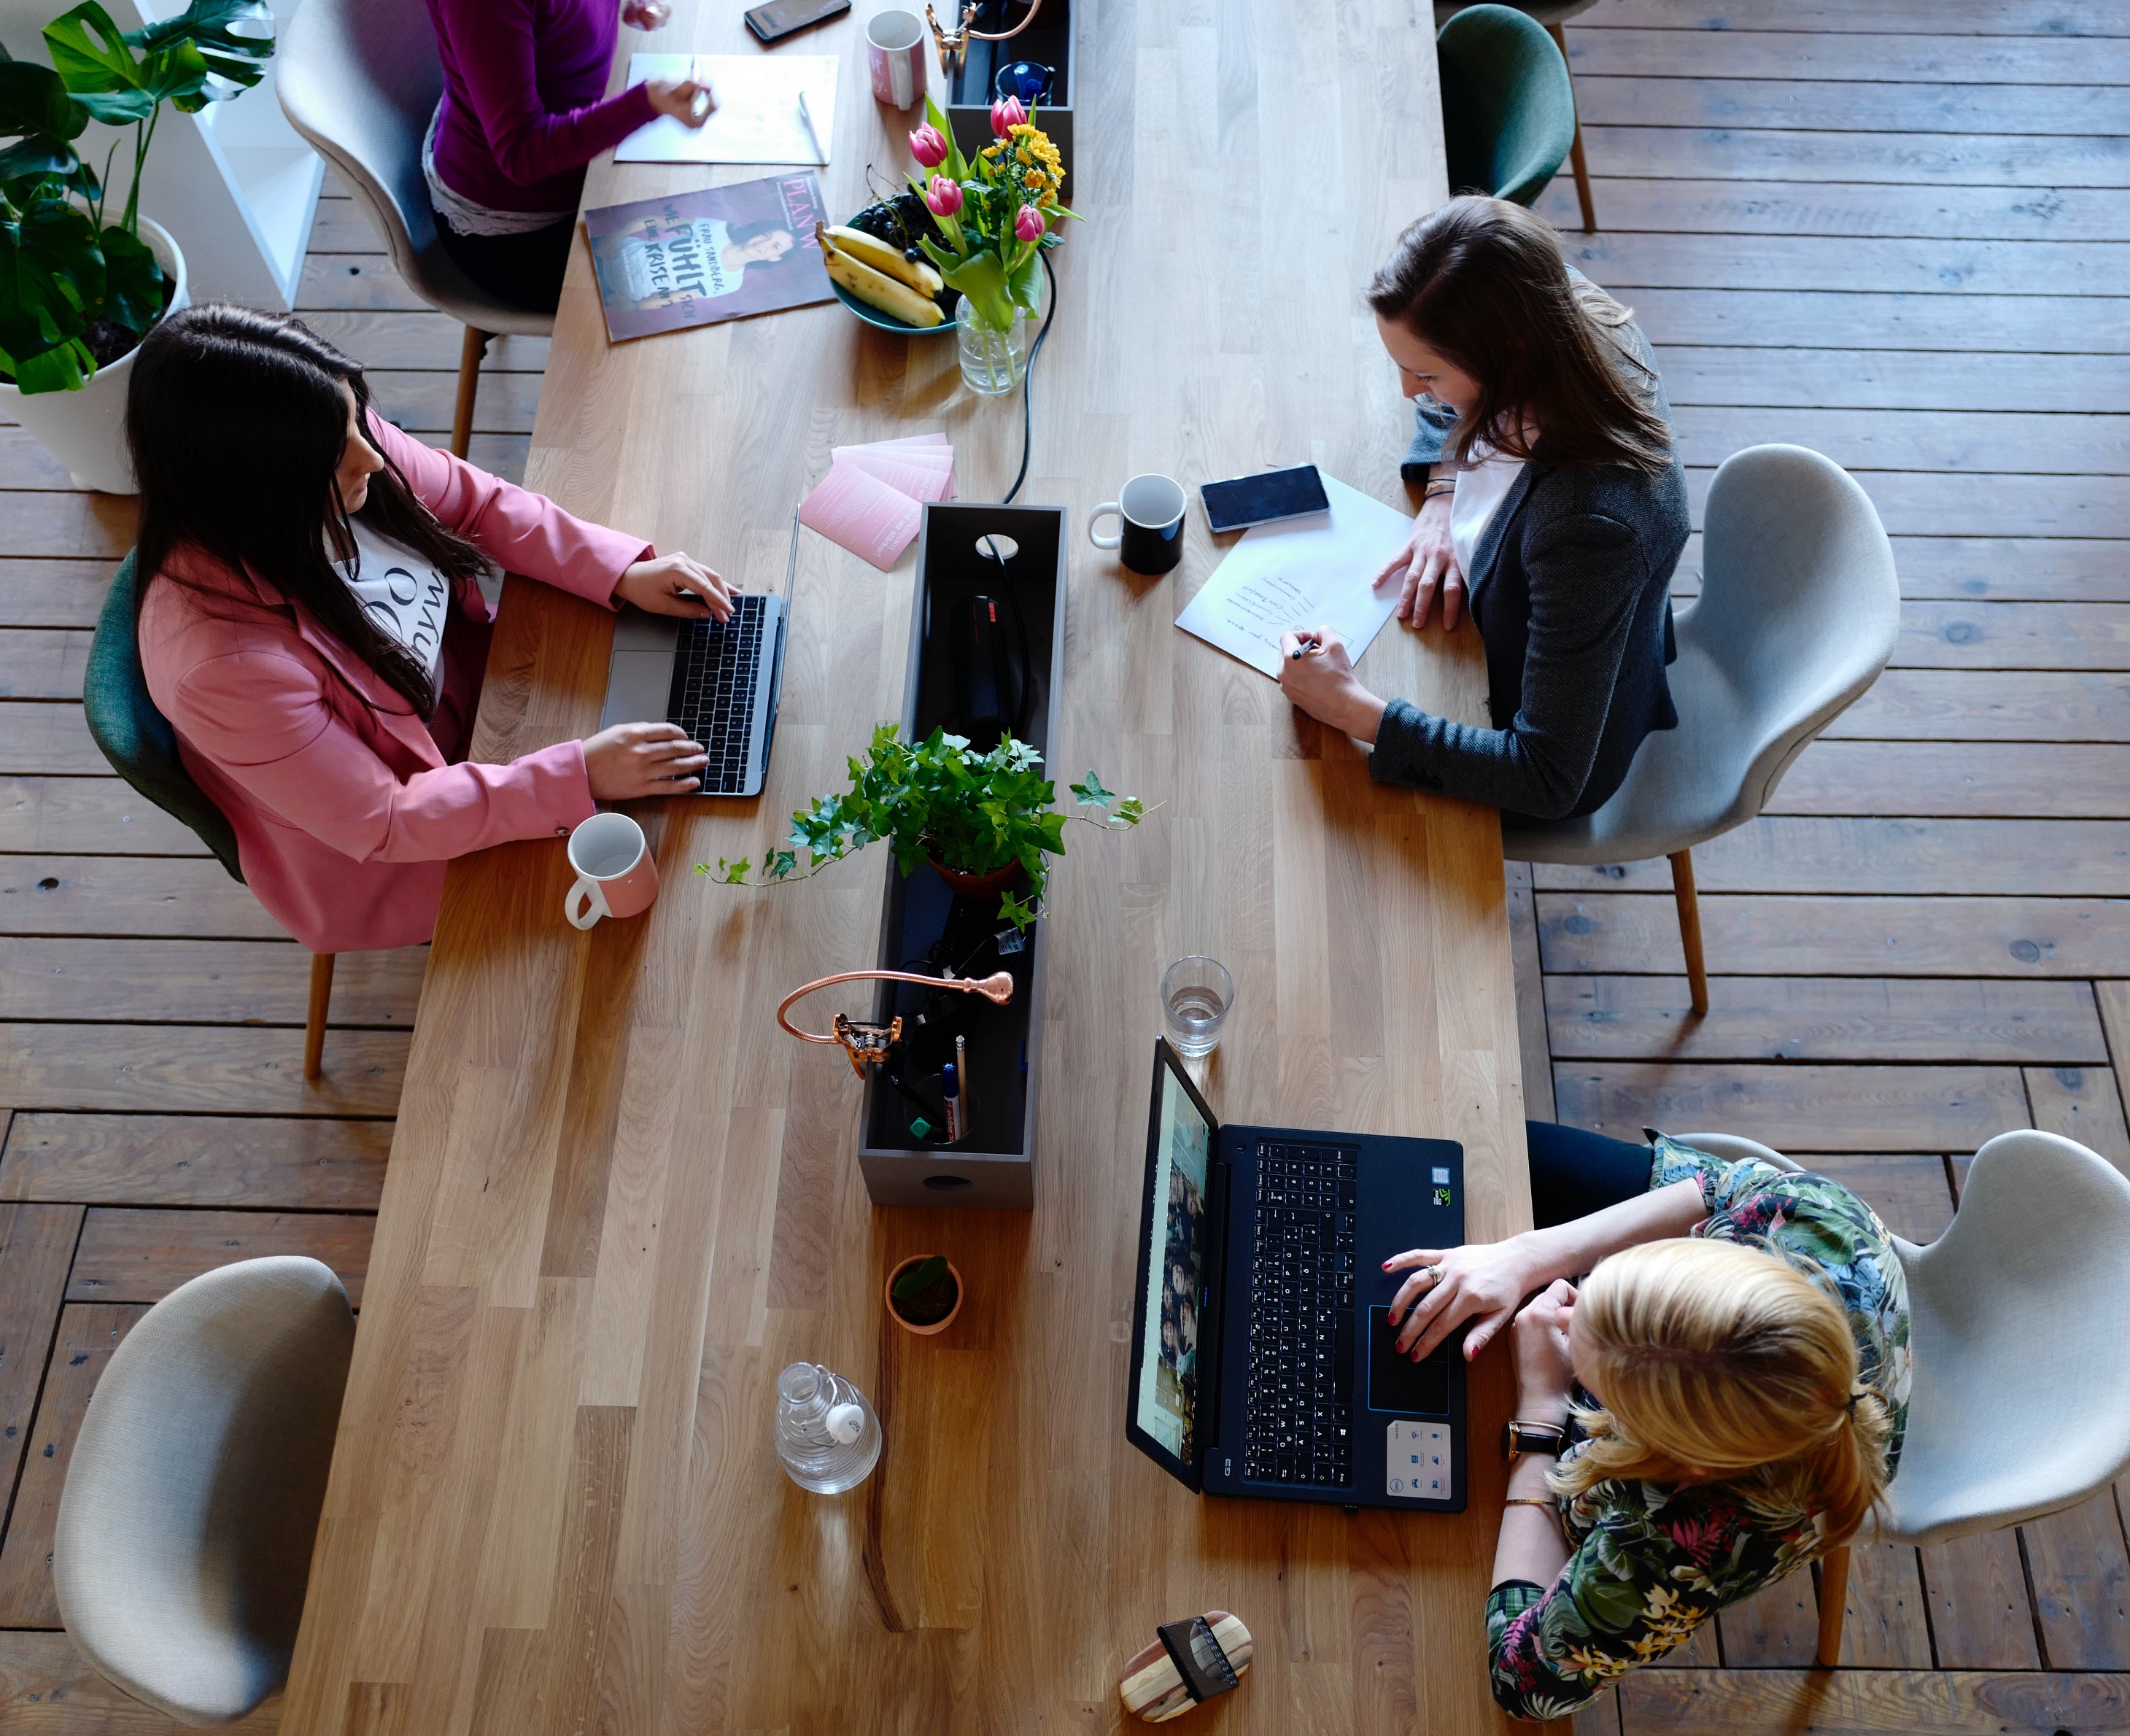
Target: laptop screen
(1165, 1405)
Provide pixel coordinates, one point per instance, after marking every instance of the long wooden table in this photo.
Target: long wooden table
(619, 1200)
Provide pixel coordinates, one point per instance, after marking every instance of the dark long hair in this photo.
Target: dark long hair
(237, 427)
(1483, 281)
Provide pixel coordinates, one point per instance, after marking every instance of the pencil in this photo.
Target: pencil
(806, 114)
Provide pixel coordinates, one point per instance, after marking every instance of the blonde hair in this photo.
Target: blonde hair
(1720, 1361)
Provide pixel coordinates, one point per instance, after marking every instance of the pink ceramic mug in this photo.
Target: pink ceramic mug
(895, 56)
(615, 874)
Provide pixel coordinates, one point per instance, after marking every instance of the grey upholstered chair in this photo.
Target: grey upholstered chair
(2020, 1404)
(359, 79)
(184, 1542)
(1798, 611)
(1552, 14)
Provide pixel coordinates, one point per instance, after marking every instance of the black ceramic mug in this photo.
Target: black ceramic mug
(1149, 511)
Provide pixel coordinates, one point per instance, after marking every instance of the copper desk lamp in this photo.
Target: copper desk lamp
(954, 44)
(869, 1045)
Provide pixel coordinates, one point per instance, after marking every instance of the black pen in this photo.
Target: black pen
(1303, 650)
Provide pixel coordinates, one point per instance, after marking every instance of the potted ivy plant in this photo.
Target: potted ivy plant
(985, 821)
(925, 1293)
(78, 289)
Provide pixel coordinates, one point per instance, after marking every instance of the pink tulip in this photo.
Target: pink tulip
(1027, 223)
(1006, 115)
(944, 196)
(929, 146)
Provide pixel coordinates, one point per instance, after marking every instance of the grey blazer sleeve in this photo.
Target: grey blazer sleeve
(1580, 628)
(1433, 422)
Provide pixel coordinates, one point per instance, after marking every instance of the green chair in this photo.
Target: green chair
(1508, 111)
(142, 748)
(1552, 14)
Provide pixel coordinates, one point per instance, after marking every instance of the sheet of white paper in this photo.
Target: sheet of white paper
(1301, 573)
(757, 119)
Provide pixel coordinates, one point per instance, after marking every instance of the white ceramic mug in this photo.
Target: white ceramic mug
(894, 57)
(1149, 511)
(615, 874)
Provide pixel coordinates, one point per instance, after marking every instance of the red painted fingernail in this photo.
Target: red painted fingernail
(1387, 1266)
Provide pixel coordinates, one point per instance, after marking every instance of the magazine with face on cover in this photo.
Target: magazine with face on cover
(718, 253)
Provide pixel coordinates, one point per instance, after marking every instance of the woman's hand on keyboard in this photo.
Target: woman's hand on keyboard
(632, 759)
(1484, 1282)
(675, 584)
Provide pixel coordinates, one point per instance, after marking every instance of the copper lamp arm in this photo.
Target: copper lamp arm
(997, 987)
(953, 44)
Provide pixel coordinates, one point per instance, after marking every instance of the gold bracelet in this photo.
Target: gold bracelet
(1441, 485)
(1526, 1501)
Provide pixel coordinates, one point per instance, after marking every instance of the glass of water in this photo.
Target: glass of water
(1196, 995)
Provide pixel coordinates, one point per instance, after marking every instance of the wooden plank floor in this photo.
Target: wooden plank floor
(154, 1120)
(1893, 231)
(1898, 233)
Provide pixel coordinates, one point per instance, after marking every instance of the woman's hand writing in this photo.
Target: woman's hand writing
(634, 760)
(1545, 1368)
(675, 584)
(688, 101)
(1426, 567)
(1321, 680)
(1484, 1282)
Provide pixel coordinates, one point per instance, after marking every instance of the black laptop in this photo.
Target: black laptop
(720, 680)
(1263, 1360)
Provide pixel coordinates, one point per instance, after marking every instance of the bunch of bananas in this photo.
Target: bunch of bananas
(880, 276)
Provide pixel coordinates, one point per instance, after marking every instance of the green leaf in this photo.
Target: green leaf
(734, 873)
(1091, 794)
(1022, 916)
(90, 52)
(234, 38)
(35, 158)
(118, 108)
(133, 282)
(1131, 810)
(781, 864)
(983, 279)
(34, 102)
(920, 1278)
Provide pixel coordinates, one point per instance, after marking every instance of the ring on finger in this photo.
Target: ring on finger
(1434, 1275)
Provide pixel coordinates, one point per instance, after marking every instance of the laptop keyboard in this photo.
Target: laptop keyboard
(715, 665)
(1298, 1425)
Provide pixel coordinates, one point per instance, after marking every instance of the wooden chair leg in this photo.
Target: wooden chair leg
(1833, 1598)
(1575, 149)
(314, 1026)
(1689, 927)
(470, 353)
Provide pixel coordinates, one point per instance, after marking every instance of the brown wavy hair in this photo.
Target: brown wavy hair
(236, 425)
(1483, 281)
(1718, 1361)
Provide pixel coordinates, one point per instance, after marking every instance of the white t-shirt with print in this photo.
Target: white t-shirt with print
(406, 599)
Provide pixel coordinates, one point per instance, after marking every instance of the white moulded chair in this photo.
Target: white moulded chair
(359, 80)
(1552, 14)
(1798, 612)
(192, 1500)
(2019, 1399)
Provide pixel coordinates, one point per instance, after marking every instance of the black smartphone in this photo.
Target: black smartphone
(782, 18)
(1248, 500)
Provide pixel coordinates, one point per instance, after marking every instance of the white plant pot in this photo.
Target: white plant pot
(86, 430)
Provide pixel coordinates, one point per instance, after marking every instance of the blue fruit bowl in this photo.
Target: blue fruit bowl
(885, 322)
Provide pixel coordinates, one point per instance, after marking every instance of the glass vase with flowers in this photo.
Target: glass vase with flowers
(997, 212)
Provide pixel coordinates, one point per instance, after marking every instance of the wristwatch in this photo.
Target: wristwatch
(1519, 1438)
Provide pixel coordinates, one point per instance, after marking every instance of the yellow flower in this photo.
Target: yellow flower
(1594, 1667)
(1033, 178)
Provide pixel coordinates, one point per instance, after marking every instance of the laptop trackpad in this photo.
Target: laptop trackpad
(1398, 1383)
(637, 686)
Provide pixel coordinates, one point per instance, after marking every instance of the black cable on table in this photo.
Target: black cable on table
(1028, 383)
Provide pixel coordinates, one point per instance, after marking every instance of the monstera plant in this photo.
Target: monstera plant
(77, 290)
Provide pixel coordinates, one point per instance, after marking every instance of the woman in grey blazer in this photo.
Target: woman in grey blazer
(1554, 504)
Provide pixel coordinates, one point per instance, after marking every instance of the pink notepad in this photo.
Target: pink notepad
(871, 502)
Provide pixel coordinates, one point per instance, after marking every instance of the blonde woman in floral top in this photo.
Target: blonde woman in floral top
(1729, 1387)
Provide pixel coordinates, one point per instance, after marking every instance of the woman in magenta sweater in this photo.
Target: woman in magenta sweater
(523, 109)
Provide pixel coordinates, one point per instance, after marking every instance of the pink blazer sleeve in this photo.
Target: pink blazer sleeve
(522, 531)
(262, 717)
(529, 144)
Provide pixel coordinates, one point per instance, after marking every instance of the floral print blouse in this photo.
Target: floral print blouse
(1652, 1562)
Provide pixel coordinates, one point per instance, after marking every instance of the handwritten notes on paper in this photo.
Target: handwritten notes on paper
(1301, 573)
(757, 119)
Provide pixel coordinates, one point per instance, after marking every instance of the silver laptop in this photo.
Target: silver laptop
(719, 680)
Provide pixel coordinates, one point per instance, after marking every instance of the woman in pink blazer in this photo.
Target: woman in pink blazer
(311, 625)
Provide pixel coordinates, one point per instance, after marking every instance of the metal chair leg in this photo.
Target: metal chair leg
(314, 1026)
(470, 353)
(1833, 1598)
(1689, 926)
(1575, 149)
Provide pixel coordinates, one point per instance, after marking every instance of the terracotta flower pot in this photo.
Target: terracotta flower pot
(887, 1294)
(978, 885)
